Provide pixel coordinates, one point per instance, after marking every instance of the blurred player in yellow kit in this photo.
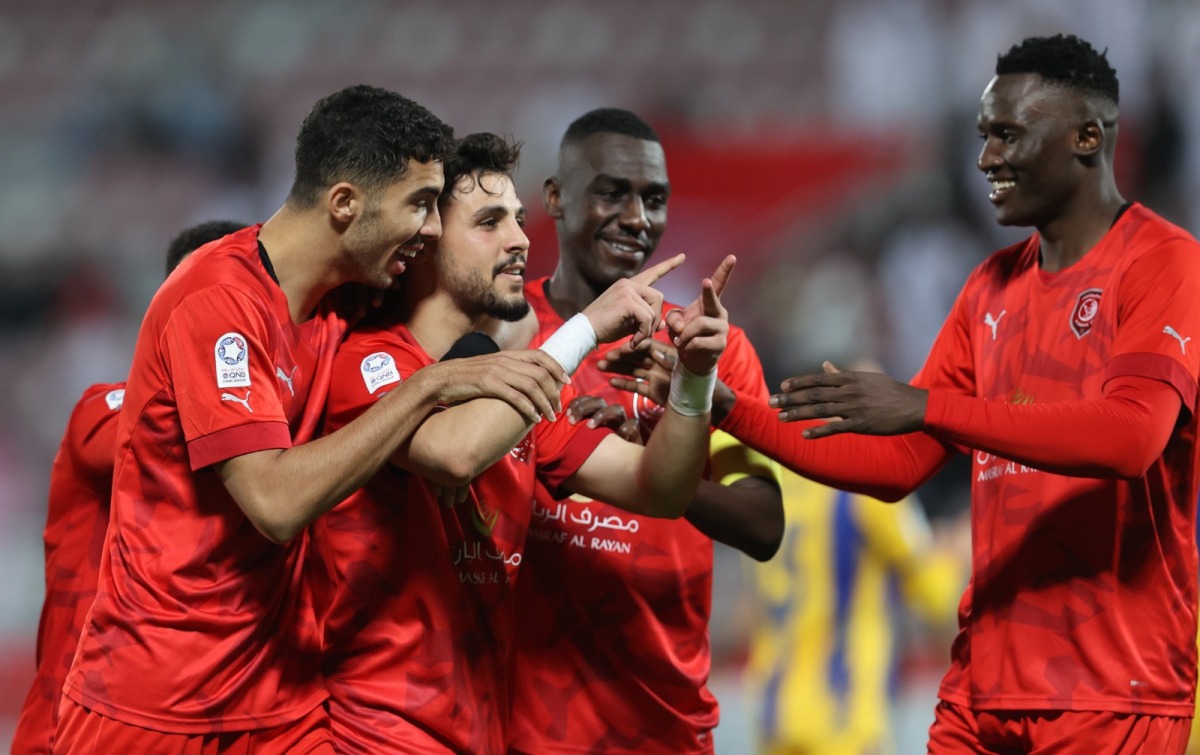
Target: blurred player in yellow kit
(821, 658)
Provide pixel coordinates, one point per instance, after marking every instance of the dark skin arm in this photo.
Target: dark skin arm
(868, 403)
(747, 515)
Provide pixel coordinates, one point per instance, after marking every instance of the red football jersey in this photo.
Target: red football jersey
(200, 624)
(419, 625)
(76, 521)
(1083, 591)
(613, 650)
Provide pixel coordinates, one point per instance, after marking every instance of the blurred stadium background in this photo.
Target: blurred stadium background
(829, 143)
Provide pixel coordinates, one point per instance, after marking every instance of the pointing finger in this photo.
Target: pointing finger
(724, 270)
(651, 275)
(710, 299)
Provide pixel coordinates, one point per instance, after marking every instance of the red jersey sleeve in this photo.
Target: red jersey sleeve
(740, 368)
(1158, 319)
(367, 367)
(217, 347)
(1119, 435)
(91, 437)
(562, 447)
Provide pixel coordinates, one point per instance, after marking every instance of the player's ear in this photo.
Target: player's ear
(1090, 137)
(551, 198)
(344, 202)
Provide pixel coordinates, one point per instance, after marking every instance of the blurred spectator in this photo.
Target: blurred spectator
(823, 656)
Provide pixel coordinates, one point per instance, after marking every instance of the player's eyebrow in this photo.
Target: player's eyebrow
(496, 209)
(425, 192)
(654, 187)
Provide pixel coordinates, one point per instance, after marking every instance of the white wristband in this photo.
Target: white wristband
(571, 343)
(691, 394)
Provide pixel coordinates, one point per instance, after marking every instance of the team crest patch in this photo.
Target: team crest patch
(379, 370)
(1084, 313)
(115, 399)
(233, 361)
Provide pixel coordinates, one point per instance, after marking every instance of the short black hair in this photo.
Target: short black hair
(365, 135)
(608, 120)
(477, 154)
(191, 239)
(1063, 60)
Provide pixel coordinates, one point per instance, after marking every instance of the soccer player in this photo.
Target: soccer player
(76, 521)
(419, 634)
(613, 654)
(1067, 369)
(202, 635)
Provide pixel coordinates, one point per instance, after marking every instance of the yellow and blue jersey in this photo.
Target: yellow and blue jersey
(822, 657)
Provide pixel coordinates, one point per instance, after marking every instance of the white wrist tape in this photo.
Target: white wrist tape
(571, 343)
(691, 394)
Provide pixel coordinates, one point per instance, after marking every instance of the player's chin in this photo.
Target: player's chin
(1008, 215)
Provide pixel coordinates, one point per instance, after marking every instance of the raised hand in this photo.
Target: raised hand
(630, 306)
(645, 370)
(700, 329)
(529, 381)
(600, 413)
(870, 403)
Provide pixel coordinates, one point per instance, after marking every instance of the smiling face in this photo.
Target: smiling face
(393, 225)
(609, 200)
(481, 254)
(1032, 149)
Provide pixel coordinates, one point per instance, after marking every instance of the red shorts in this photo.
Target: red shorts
(358, 731)
(84, 732)
(957, 730)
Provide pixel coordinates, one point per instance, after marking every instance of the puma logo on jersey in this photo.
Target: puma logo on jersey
(243, 401)
(287, 378)
(1175, 334)
(992, 323)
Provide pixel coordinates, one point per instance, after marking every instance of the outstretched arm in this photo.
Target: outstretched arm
(1117, 435)
(884, 468)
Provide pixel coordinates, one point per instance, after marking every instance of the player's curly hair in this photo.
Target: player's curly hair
(1065, 60)
(608, 120)
(191, 239)
(365, 135)
(477, 154)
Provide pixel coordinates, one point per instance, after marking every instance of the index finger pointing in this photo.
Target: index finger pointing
(724, 270)
(651, 275)
(709, 298)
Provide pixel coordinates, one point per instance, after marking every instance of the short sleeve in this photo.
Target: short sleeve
(367, 367)
(92, 435)
(562, 448)
(1158, 319)
(218, 350)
